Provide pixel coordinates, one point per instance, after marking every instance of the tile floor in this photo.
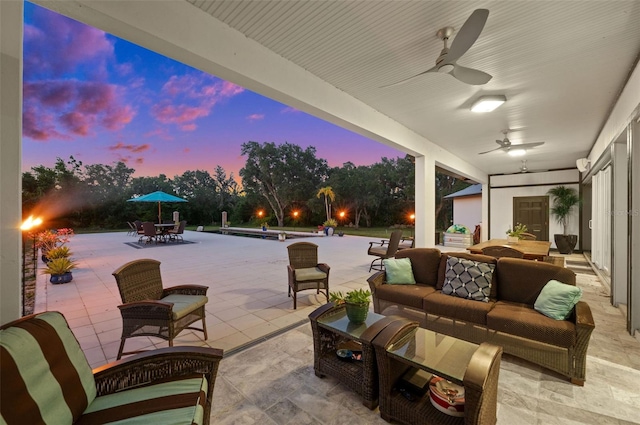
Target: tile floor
(267, 374)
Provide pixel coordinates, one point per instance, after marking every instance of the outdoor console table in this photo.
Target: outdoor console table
(403, 345)
(331, 329)
(533, 250)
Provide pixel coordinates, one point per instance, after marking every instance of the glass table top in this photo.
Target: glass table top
(440, 354)
(340, 322)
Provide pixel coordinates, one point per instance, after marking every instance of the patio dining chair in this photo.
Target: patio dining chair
(384, 249)
(132, 229)
(305, 272)
(177, 232)
(502, 251)
(149, 231)
(148, 309)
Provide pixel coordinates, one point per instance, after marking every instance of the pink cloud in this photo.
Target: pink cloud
(77, 46)
(62, 109)
(187, 98)
(290, 110)
(131, 148)
(159, 132)
(255, 117)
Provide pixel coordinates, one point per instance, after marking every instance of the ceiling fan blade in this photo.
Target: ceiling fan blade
(468, 34)
(504, 143)
(406, 80)
(492, 150)
(528, 145)
(470, 76)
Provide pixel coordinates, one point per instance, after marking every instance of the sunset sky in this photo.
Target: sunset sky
(102, 99)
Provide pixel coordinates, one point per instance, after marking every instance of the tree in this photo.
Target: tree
(328, 195)
(358, 190)
(282, 174)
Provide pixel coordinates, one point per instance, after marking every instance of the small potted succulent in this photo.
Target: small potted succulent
(356, 303)
(514, 235)
(60, 270)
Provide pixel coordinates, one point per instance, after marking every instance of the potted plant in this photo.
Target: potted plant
(50, 239)
(282, 236)
(59, 252)
(329, 226)
(60, 270)
(515, 234)
(265, 226)
(356, 303)
(564, 199)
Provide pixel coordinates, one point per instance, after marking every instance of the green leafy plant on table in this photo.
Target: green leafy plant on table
(356, 303)
(517, 231)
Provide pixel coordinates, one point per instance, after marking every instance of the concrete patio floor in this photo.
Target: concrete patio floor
(250, 316)
(247, 280)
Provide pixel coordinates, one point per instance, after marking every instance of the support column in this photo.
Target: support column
(11, 18)
(633, 270)
(486, 199)
(425, 201)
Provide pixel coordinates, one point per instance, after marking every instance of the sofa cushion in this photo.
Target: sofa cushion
(556, 300)
(469, 311)
(409, 295)
(184, 304)
(44, 373)
(442, 268)
(424, 262)
(530, 276)
(523, 321)
(398, 271)
(468, 279)
(178, 400)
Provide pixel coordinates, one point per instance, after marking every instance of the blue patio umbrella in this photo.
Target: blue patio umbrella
(159, 197)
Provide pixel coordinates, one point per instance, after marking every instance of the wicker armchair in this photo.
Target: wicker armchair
(502, 251)
(150, 310)
(304, 271)
(384, 249)
(45, 378)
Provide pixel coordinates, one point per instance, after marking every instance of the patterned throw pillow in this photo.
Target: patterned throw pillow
(468, 279)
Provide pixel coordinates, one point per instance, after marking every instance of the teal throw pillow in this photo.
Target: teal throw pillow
(399, 271)
(557, 299)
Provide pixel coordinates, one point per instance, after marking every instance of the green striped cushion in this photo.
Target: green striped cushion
(44, 373)
(171, 402)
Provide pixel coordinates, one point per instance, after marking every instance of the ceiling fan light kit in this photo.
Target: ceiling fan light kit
(488, 103)
(517, 152)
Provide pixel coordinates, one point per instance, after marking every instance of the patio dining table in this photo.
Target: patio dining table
(533, 250)
(164, 228)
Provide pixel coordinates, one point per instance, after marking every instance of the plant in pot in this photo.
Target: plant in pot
(282, 236)
(60, 270)
(50, 239)
(59, 252)
(356, 303)
(564, 199)
(515, 234)
(329, 226)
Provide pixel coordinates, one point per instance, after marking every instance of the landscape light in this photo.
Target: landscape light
(488, 103)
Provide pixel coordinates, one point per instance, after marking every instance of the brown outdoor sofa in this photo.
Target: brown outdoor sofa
(508, 318)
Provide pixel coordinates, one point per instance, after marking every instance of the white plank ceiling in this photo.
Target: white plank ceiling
(561, 65)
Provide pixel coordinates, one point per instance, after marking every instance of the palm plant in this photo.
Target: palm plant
(328, 195)
(564, 199)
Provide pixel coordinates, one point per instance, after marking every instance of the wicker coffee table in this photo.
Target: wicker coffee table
(402, 345)
(331, 330)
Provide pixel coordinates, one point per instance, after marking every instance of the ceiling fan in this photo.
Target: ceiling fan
(514, 150)
(446, 62)
(523, 167)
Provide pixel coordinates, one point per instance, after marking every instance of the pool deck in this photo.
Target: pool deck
(247, 280)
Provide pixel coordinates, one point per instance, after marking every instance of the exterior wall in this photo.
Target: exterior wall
(10, 159)
(467, 210)
(504, 188)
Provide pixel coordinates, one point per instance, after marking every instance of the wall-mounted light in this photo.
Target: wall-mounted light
(488, 103)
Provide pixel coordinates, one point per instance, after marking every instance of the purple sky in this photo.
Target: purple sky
(102, 99)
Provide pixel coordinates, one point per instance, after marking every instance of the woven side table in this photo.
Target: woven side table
(402, 346)
(331, 329)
